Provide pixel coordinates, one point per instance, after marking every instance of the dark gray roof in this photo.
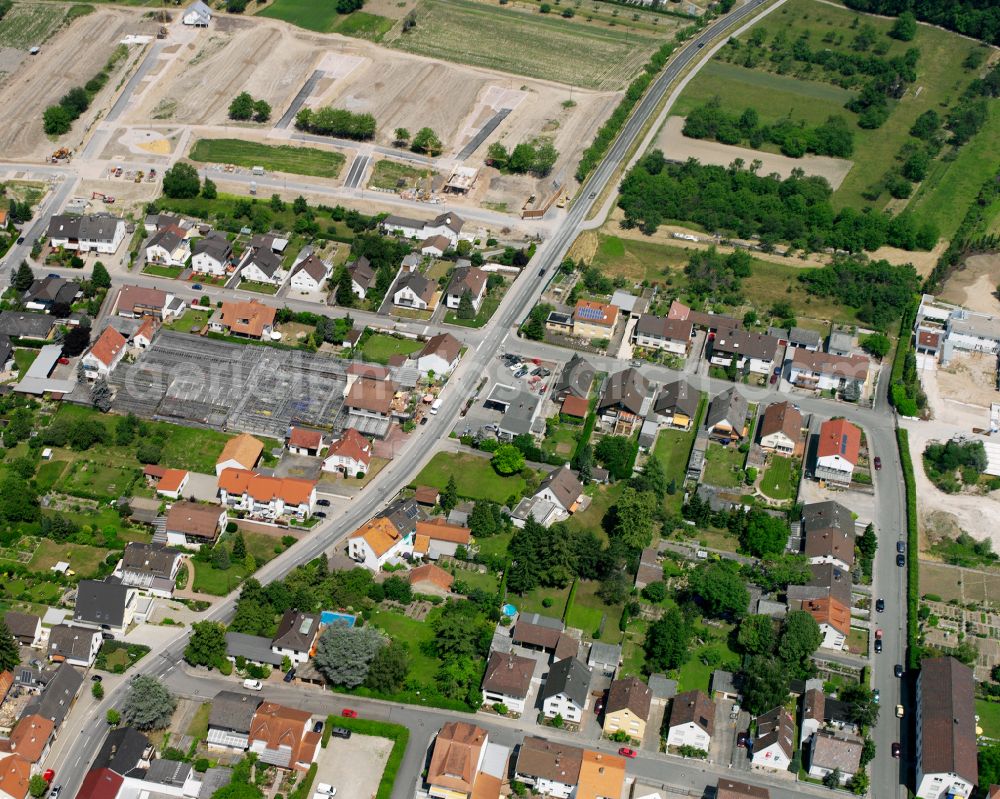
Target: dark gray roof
(827, 515)
(168, 772)
(100, 603)
(564, 485)
(745, 343)
(21, 625)
(256, 648)
(570, 677)
(296, 631)
(729, 406)
(520, 413)
(6, 350)
(664, 327)
(362, 273)
(404, 515)
(662, 686)
(65, 226)
(312, 266)
(122, 751)
(168, 238)
(627, 388)
(155, 559)
(265, 260)
(801, 337)
(678, 396)
(213, 779)
(71, 642)
(233, 710)
(25, 325)
(418, 284)
(575, 378)
(61, 687)
(215, 245)
(52, 290)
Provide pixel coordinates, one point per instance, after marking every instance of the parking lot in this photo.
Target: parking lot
(353, 766)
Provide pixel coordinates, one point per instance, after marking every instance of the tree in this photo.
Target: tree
(989, 764)
(800, 637)
(401, 137)
(426, 141)
(37, 785)
(652, 478)
(300, 205)
(113, 717)
(344, 654)
(486, 519)
(861, 703)
(209, 190)
(97, 690)
(181, 181)
(23, 278)
(655, 592)
(10, 653)
(239, 546)
(241, 108)
(389, 668)
(261, 111)
(76, 340)
(614, 588)
(507, 459)
(345, 289)
(765, 684)
(448, 498)
(100, 277)
(497, 155)
(148, 704)
(764, 534)
(207, 644)
(668, 641)
(876, 345)
(832, 779)
(756, 635)
(56, 120)
(100, 395)
(466, 310)
(634, 514)
(720, 589)
(905, 27)
(615, 452)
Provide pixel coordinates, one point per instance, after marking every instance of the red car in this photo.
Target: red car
(49, 775)
(64, 361)
(878, 463)
(347, 713)
(626, 752)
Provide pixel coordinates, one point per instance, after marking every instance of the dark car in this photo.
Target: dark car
(700, 45)
(742, 738)
(289, 676)
(878, 463)
(598, 706)
(774, 379)
(896, 749)
(20, 239)
(96, 678)
(898, 670)
(196, 286)
(541, 273)
(52, 275)
(340, 732)
(879, 605)
(423, 420)
(878, 646)
(319, 514)
(324, 503)
(318, 726)
(108, 636)
(901, 547)
(901, 560)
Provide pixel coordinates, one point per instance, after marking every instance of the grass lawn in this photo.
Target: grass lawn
(274, 158)
(588, 610)
(474, 476)
(857, 641)
(362, 25)
(48, 474)
(190, 321)
(380, 347)
(696, 673)
(488, 582)
(423, 667)
(673, 449)
(602, 497)
(777, 480)
(563, 439)
(633, 654)
(172, 272)
(260, 288)
(219, 582)
(24, 359)
(490, 303)
(388, 174)
(83, 560)
(495, 545)
(97, 477)
(117, 656)
(989, 717)
(324, 18)
(533, 601)
(722, 465)
(198, 726)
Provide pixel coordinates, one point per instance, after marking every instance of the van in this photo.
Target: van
(436, 405)
(253, 685)
(340, 732)
(258, 170)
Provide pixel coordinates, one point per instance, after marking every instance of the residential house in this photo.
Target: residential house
(149, 567)
(625, 401)
(104, 605)
(124, 750)
(775, 742)
(650, 569)
(143, 337)
(627, 708)
(267, 497)
(434, 246)
(350, 455)
(304, 442)
(363, 277)
(212, 255)
(551, 768)
(945, 756)
(575, 407)
(835, 752)
(781, 428)
(296, 636)
(459, 751)
(508, 680)
(197, 15)
(172, 483)
(430, 579)
(604, 658)
(101, 233)
(190, 525)
(691, 721)
(727, 415)
(833, 618)
(730, 789)
(18, 324)
(309, 274)
(827, 580)
(535, 631)
(252, 648)
(437, 537)
(676, 404)
(104, 354)
(240, 452)
(250, 319)
(575, 380)
(25, 627)
(565, 690)
(800, 338)
(262, 265)
(469, 280)
(413, 290)
(563, 489)
(752, 352)
(230, 719)
(518, 415)
(825, 371)
(51, 295)
(602, 776)
(440, 355)
(813, 708)
(448, 225)
(135, 302)
(60, 688)
(31, 738)
(169, 246)
(100, 783)
(840, 343)
(829, 533)
(282, 736)
(377, 542)
(662, 333)
(370, 398)
(77, 646)
(837, 452)
(594, 319)
(427, 496)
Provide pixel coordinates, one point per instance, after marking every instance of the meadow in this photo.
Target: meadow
(274, 158)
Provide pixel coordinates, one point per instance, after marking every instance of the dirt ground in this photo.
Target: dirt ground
(677, 146)
(969, 379)
(65, 63)
(974, 283)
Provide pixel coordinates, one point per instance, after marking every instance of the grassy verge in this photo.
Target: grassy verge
(274, 158)
(913, 559)
(394, 175)
(396, 733)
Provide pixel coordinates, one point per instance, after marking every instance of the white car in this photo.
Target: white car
(253, 685)
(323, 789)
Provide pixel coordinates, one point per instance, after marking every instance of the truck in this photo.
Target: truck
(253, 186)
(436, 406)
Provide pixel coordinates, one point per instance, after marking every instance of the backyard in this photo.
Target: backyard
(118, 656)
(673, 449)
(491, 302)
(589, 613)
(210, 579)
(723, 466)
(473, 475)
(778, 481)
(423, 667)
(379, 347)
(191, 321)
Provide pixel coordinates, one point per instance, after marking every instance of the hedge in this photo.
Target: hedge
(913, 548)
(301, 790)
(396, 733)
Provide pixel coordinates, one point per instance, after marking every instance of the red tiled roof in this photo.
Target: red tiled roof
(108, 345)
(839, 437)
(575, 406)
(352, 445)
(305, 439)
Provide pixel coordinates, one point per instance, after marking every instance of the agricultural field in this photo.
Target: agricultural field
(274, 158)
(323, 18)
(793, 89)
(29, 25)
(536, 45)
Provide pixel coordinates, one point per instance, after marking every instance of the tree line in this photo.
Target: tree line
(711, 121)
(58, 119)
(979, 19)
(877, 290)
(329, 121)
(537, 157)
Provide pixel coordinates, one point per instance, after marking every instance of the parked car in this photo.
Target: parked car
(875, 696)
(901, 547)
(340, 732)
(107, 636)
(742, 738)
(64, 361)
(196, 286)
(598, 706)
(289, 675)
(347, 713)
(96, 678)
(627, 752)
(323, 503)
(48, 775)
(879, 604)
(901, 560)
(253, 685)
(54, 793)
(895, 749)
(326, 789)
(900, 711)
(878, 463)
(878, 646)
(52, 275)
(319, 514)
(20, 239)
(318, 726)
(898, 670)
(878, 634)
(774, 379)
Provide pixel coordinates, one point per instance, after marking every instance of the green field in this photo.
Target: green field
(539, 46)
(82, 559)
(777, 480)
(722, 465)
(273, 157)
(473, 474)
(323, 17)
(423, 667)
(380, 347)
(388, 174)
(28, 25)
(989, 717)
(673, 449)
(98, 478)
(588, 612)
(260, 288)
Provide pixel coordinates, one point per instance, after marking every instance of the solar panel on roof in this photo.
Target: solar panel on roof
(843, 444)
(591, 313)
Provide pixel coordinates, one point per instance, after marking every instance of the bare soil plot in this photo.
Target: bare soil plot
(969, 378)
(41, 81)
(677, 146)
(954, 582)
(974, 283)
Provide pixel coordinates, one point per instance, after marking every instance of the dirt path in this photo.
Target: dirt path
(187, 592)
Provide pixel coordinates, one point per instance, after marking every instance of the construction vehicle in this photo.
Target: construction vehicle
(561, 202)
(62, 154)
(94, 195)
(253, 186)
(139, 176)
(118, 172)
(162, 32)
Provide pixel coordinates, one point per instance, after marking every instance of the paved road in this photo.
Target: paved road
(357, 171)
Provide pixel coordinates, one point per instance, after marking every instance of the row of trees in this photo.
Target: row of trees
(329, 121)
(537, 157)
(711, 121)
(426, 141)
(58, 119)
(244, 107)
(979, 19)
(878, 290)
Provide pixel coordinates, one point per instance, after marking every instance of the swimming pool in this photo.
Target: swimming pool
(329, 617)
(508, 610)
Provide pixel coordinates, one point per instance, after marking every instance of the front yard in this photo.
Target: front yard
(379, 347)
(474, 476)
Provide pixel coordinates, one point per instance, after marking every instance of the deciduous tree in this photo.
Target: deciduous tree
(148, 704)
(207, 644)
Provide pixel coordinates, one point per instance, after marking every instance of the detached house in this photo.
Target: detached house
(262, 265)
(149, 567)
(283, 737)
(106, 606)
(837, 452)
(829, 534)
(230, 719)
(50, 294)
(304, 442)
(594, 319)
(413, 290)
(466, 280)
(465, 764)
(135, 302)
(190, 525)
(840, 752)
(350, 455)
(370, 398)
(240, 452)
(213, 255)
(105, 354)
(551, 768)
(309, 274)
(563, 490)
(77, 646)
(448, 225)
(378, 542)
(267, 497)
(574, 380)
(825, 371)
(169, 246)
(297, 635)
(625, 401)
(774, 746)
(754, 352)
(250, 319)
(565, 690)
(627, 709)
(946, 762)
(662, 333)
(692, 720)
(25, 627)
(727, 415)
(781, 428)
(363, 277)
(102, 233)
(508, 680)
(677, 403)
(439, 355)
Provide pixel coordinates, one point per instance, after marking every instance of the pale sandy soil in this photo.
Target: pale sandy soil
(974, 283)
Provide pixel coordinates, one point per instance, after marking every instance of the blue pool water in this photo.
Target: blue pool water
(508, 610)
(329, 617)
